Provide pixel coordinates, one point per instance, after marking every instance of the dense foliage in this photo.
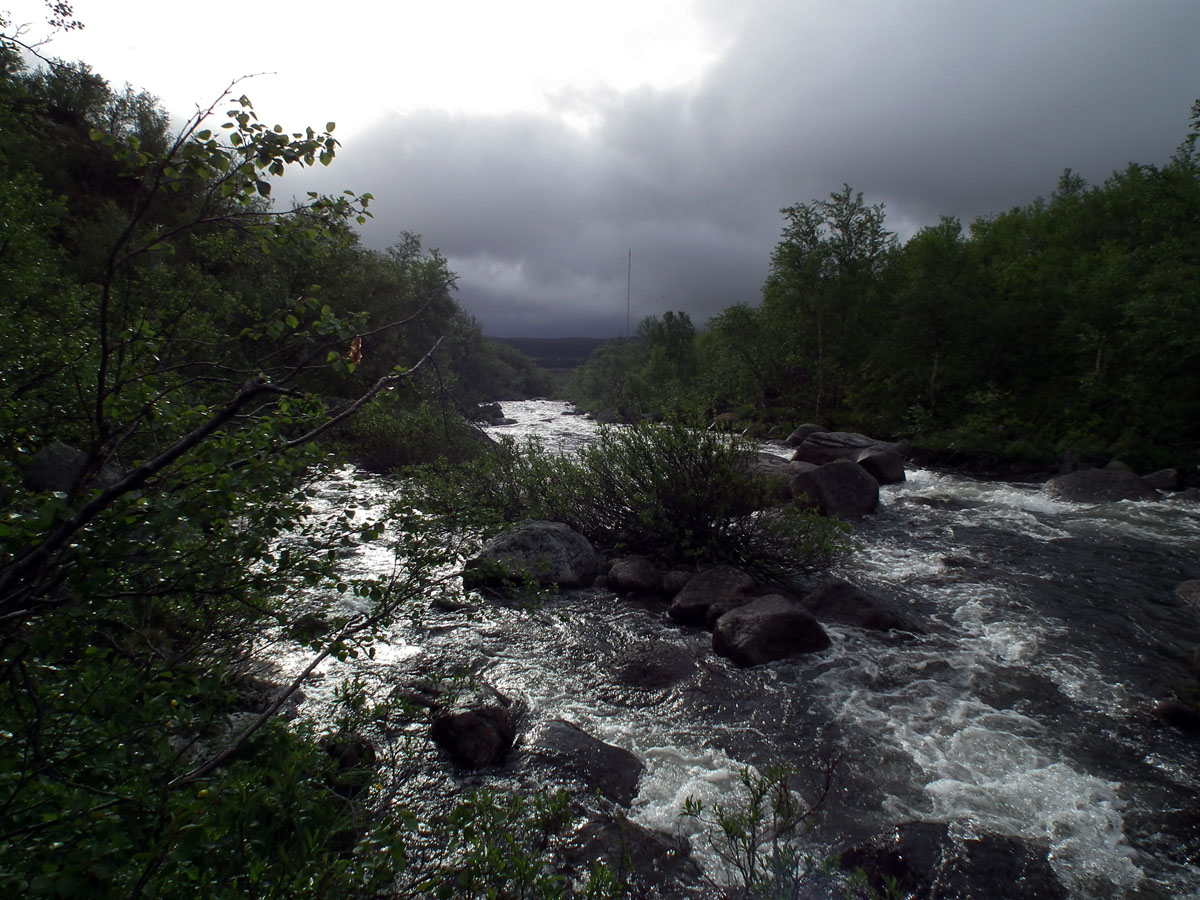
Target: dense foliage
(1071, 324)
(180, 355)
(682, 495)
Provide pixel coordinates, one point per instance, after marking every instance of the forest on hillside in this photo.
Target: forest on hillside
(1069, 325)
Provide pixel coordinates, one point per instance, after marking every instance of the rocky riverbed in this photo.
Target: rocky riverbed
(1019, 719)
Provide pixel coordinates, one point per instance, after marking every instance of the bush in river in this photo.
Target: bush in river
(665, 490)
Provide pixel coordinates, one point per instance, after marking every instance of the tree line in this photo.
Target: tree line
(1068, 325)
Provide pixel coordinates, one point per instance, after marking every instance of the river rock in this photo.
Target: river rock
(598, 766)
(884, 466)
(720, 585)
(1185, 716)
(928, 862)
(768, 628)
(1100, 486)
(780, 472)
(475, 738)
(842, 488)
(648, 860)
(485, 412)
(676, 580)
(1189, 592)
(653, 666)
(57, 467)
(825, 446)
(797, 437)
(637, 574)
(777, 470)
(1164, 480)
(847, 604)
(544, 553)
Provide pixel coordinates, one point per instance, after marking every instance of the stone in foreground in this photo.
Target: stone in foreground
(842, 488)
(475, 738)
(767, 629)
(537, 552)
(598, 766)
(847, 604)
(926, 859)
(719, 586)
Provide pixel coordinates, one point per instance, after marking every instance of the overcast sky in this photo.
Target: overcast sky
(536, 142)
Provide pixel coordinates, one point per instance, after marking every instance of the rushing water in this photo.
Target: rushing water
(1024, 709)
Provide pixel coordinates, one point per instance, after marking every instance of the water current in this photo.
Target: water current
(1025, 708)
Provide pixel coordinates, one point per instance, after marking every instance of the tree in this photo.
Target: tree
(820, 285)
(130, 590)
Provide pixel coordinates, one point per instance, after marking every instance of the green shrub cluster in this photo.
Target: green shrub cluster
(683, 495)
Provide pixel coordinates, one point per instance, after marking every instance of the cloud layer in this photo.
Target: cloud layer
(934, 108)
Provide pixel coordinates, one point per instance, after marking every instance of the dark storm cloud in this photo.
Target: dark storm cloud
(932, 108)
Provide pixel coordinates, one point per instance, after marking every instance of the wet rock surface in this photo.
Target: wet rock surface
(637, 574)
(544, 553)
(847, 604)
(930, 861)
(653, 666)
(1100, 486)
(570, 751)
(842, 488)
(821, 447)
(652, 864)
(766, 629)
(475, 738)
(718, 585)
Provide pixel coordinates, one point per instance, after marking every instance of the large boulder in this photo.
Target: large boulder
(821, 447)
(842, 488)
(766, 629)
(927, 861)
(1164, 480)
(797, 437)
(721, 586)
(779, 471)
(1100, 486)
(847, 604)
(885, 467)
(543, 553)
(637, 574)
(569, 750)
(475, 738)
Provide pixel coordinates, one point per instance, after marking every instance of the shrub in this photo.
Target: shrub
(388, 436)
(680, 494)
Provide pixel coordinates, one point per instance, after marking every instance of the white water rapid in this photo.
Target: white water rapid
(1023, 710)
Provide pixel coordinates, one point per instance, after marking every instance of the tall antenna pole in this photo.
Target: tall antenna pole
(628, 286)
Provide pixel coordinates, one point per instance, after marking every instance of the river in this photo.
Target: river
(1025, 708)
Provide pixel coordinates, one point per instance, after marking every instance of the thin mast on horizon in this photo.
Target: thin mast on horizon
(628, 286)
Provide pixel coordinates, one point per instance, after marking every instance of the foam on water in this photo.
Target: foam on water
(958, 706)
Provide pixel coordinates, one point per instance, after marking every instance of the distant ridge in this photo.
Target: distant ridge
(555, 353)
